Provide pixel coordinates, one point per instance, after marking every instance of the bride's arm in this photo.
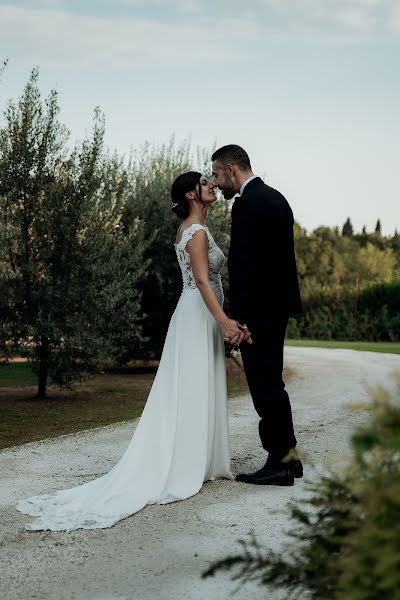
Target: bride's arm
(198, 251)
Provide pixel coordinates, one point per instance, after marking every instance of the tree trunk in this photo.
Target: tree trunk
(43, 366)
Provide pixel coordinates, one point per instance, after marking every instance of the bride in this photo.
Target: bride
(181, 439)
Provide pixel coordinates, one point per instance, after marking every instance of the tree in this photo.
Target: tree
(347, 230)
(378, 228)
(318, 261)
(70, 270)
(150, 172)
(375, 265)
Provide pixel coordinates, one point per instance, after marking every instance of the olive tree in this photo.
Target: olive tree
(70, 268)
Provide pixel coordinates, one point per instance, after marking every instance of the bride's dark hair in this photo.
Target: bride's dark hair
(187, 182)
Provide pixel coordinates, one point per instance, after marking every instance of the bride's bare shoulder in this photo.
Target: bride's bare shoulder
(184, 227)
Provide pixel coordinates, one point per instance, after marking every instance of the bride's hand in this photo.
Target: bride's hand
(245, 337)
(233, 332)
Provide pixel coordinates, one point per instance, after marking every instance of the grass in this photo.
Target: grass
(105, 399)
(16, 374)
(110, 398)
(385, 347)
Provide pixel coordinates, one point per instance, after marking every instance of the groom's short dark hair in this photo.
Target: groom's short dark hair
(232, 155)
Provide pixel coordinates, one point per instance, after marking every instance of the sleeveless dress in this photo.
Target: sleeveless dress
(182, 437)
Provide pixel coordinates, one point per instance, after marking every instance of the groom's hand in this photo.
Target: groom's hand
(247, 335)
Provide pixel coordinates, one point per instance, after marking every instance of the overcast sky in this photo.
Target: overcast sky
(310, 88)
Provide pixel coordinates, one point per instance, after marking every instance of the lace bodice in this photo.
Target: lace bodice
(215, 261)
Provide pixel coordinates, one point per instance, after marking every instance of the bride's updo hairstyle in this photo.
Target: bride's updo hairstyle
(187, 182)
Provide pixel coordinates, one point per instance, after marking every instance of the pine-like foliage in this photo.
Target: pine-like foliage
(69, 268)
(346, 538)
(347, 230)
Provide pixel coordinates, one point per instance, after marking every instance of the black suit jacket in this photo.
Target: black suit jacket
(263, 282)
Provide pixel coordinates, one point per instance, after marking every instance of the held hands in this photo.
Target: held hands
(247, 337)
(243, 335)
(234, 332)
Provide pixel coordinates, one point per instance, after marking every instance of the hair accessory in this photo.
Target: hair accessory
(174, 204)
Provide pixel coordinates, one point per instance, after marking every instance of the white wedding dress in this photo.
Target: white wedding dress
(181, 439)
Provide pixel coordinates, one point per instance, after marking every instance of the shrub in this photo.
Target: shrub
(347, 539)
(340, 314)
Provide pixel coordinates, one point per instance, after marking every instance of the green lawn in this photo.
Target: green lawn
(16, 374)
(385, 347)
(110, 398)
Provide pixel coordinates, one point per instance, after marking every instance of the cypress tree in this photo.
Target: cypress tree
(347, 230)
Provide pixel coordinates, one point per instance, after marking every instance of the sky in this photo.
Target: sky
(310, 88)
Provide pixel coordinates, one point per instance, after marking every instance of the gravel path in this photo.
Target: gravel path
(159, 553)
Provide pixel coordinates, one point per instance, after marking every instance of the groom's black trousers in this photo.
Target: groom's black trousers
(263, 365)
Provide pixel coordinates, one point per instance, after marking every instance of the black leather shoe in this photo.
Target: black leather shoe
(296, 467)
(295, 464)
(281, 475)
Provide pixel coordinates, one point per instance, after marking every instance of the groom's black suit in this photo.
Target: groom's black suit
(263, 293)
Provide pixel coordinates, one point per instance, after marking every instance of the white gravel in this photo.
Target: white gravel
(159, 553)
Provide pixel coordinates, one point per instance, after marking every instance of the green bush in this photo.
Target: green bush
(340, 314)
(347, 539)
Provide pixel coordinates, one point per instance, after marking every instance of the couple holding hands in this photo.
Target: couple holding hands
(182, 437)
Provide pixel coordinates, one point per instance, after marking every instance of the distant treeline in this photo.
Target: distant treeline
(88, 272)
(350, 284)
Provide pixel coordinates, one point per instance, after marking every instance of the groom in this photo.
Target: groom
(263, 293)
